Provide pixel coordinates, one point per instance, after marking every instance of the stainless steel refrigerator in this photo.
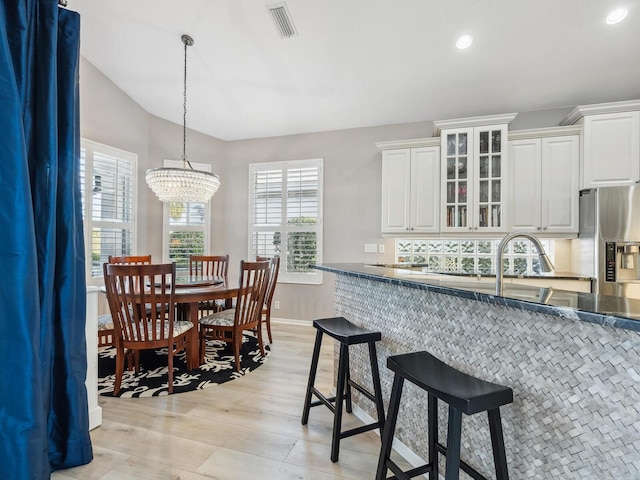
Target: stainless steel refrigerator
(609, 240)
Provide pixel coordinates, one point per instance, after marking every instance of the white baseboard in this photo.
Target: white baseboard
(95, 417)
(292, 321)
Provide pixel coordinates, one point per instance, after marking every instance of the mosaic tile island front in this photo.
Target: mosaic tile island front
(572, 360)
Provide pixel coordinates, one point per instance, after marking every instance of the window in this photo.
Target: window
(285, 212)
(108, 189)
(472, 256)
(186, 225)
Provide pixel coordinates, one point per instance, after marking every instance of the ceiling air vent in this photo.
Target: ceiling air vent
(282, 20)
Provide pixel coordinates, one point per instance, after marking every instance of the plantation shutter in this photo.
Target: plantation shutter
(286, 217)
(108, 188)
(186, 225)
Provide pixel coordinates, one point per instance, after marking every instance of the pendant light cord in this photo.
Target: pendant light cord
(183, 185)
(187, 41)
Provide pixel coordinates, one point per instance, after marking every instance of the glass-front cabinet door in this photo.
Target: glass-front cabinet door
(457, 176)
(489, 178)
(473, 177)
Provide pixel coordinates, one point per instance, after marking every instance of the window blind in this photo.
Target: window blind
(286, 212)
(186, 225)
(108, 191)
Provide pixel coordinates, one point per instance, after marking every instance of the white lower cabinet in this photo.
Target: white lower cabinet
(411, 190)
(544, 184)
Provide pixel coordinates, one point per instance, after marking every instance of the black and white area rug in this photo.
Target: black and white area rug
(218, 367)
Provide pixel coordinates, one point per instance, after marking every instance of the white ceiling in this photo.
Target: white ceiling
(357, 63)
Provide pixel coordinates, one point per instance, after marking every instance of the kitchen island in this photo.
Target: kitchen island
(572, 359)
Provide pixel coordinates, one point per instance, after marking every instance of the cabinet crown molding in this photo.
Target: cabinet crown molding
(467, 122)
(411, 143)
(613, 107)
(545, 132)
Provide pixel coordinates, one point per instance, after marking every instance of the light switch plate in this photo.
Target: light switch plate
(370, 248)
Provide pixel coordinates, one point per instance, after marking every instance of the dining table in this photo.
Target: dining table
(189, 292)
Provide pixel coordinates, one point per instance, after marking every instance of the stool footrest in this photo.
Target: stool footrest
(363, 390)
(361, 429)
(322, 400)
(329, 403)
(414, 472)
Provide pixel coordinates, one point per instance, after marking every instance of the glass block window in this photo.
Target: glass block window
(471, 256)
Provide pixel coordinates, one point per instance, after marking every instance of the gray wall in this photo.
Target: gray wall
(352, 200)
(352, 180)
(109, 116)
(165, 142)
(351, 194)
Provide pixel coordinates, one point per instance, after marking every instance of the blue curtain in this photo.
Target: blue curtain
(44, 424)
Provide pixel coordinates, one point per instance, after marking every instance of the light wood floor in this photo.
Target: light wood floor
(244, 429)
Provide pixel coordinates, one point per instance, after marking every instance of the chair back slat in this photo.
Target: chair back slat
(254, 277)
(209, 265)
(274, 268)
(131, 259)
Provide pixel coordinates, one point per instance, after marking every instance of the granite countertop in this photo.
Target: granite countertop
(424, 269)
(618, 312)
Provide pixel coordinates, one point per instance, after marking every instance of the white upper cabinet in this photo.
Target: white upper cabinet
(611, 149)
(526, 184)
(475, 178)
(610, 143)
(396, 190)
(473, 170)
(543, 179)
(410, 189)
(560, 186)
(425, 189)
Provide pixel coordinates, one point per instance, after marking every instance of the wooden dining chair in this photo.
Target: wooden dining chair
(229, 325)
(131, 259)
(210, 266)
(274, 268)
(131, 290)
(105, 325)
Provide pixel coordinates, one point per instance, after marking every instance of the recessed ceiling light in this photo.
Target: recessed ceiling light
(616, 16)
(464, 41)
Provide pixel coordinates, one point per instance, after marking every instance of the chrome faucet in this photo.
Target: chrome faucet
(545, 263)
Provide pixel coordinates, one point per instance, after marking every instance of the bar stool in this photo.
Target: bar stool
(464, 394)
(347, 334)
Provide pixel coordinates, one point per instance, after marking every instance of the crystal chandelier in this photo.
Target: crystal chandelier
(183, 184)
